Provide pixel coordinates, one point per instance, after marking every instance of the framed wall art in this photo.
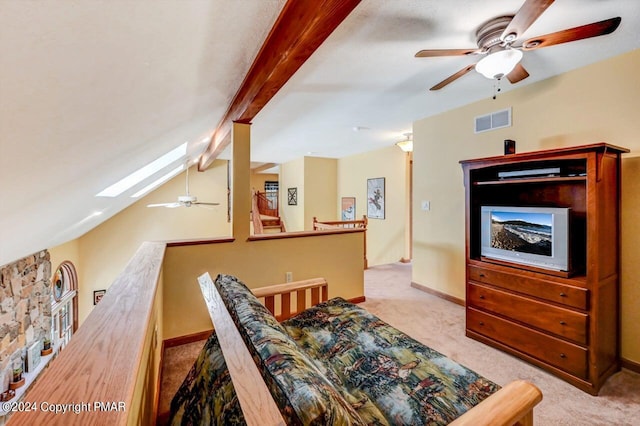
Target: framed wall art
(98, 295)
(292, 196)
(375, 198)
(348, 208)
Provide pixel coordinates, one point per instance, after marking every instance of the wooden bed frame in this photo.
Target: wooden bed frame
(511, 405)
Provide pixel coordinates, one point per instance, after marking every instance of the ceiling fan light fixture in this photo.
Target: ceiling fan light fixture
(500, 63)
(407, 144)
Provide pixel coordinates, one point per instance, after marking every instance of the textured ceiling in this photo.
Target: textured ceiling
(92, 90)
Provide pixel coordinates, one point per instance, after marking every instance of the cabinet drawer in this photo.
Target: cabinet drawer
(564, 355)
(560, 321)
(560, 293)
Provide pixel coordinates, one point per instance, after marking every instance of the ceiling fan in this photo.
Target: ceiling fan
(187, 200)
(500, 47)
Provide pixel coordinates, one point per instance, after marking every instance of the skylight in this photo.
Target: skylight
(143, 173)
(158, 182)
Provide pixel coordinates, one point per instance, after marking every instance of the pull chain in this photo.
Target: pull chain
(496, 87)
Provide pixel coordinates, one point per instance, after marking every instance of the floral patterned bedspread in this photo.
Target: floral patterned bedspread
(387, 376)
(334, 363)
(207, 395)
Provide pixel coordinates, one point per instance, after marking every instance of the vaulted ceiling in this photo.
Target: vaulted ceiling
(92, 90)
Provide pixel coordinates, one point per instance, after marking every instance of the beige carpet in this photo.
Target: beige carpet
(440, 325)
(176, 363)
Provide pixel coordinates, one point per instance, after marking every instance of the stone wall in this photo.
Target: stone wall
(25, 309)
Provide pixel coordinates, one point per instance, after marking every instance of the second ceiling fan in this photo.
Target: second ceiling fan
(500, 46)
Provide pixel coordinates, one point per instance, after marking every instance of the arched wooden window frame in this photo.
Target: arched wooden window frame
(70, 283)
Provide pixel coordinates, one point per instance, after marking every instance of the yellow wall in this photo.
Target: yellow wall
(630, 291)
(106, 249)
(315, 179)
(258, 180)
(320, 182)
(337, 258)
(292, 176)
(592, 104)
(385, 238)
(68, 251)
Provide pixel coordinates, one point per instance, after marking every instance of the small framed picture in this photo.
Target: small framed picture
(348, 208)
(292, 196)
(33, 357)
(375, 198)
(98, 295)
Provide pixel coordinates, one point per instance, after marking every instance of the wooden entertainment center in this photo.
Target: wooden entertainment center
(566, 322)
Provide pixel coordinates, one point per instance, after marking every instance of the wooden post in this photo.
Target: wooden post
(240, 180)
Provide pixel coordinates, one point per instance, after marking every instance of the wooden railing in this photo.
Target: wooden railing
(255, 215)
(344, 224)
(337, 224)
(108, 373)
(265, 205)
(263, 216)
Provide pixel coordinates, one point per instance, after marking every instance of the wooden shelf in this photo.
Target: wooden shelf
(545, 179)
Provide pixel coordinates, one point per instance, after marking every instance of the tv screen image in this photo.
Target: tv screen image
(536, 236)
(522, 231)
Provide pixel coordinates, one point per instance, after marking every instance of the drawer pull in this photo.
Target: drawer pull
(562, 355)
(481, 275)
(482, 296)
(563, 295)
(481, 322)
(563, 323)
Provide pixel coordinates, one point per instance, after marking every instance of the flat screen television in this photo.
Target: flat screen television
(536, 236)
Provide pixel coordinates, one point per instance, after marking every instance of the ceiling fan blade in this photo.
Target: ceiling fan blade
(518, 74)
(572, 34)
(453, 77)
(206, 204)
(168, 205)
(431, 53)
(528, 13)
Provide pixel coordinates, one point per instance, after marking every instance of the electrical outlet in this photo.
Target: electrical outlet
(288, 277)
(426, 205)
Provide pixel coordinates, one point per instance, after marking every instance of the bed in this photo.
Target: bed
(329, 363)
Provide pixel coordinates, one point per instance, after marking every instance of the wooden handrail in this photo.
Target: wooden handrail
(109, 359)
(349, 224)
(332, 224)
(255, 215)
(265, 205)
(303, 234)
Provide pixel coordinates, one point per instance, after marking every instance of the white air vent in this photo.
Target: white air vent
(495, 120)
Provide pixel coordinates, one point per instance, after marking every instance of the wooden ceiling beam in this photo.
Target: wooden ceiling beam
(263, 167)
(299, 30)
